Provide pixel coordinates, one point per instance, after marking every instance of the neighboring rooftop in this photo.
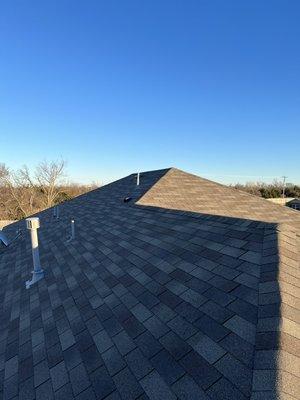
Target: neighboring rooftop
(189, 291)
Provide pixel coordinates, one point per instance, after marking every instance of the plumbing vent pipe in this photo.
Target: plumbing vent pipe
(138, 179)
(33, 224)
(72, 237)
(56, 212)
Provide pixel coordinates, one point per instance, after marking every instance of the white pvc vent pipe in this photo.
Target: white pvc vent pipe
(33, 224)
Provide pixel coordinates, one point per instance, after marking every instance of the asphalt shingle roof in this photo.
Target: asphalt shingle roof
(188, 291)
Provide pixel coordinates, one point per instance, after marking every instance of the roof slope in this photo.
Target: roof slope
(183, 191)
(153, 300)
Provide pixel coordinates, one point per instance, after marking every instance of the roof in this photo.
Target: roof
(294, 201)
(189, 291)
(183, 191)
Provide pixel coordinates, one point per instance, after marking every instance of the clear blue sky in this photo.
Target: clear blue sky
(211, 87)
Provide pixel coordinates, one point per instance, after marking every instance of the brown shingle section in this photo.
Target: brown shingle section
(179, 190)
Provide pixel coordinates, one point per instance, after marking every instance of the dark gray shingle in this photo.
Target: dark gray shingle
(157, 298)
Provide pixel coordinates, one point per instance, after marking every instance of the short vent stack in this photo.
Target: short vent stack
(72, 236)
(56, 212)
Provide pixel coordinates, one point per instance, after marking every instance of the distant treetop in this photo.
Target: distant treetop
(271, 190)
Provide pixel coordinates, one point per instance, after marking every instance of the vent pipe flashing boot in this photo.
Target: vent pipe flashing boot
(37, 274)
(138, 179)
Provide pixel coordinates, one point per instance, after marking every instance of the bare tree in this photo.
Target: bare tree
(49, 176)
(23, 193)
(25, 181)
(3, 172)
(3, 189)
(19, 192)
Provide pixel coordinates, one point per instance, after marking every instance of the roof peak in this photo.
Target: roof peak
(180, 190)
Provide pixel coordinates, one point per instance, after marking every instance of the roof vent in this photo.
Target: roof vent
(127, 199)
(32, 223)
(72, 237)
(3, 239)
(37, 274)
(138, 179)
(56, 212)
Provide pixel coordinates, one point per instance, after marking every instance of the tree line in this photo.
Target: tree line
(270, 190)
(24, 192)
